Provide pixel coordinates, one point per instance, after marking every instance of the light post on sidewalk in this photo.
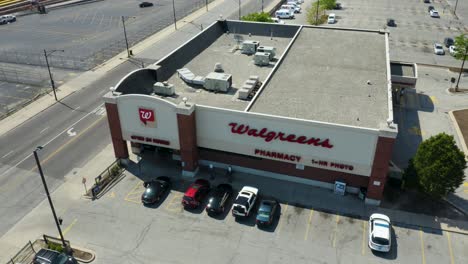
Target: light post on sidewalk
(175, 19)
(65, 247)
(125, 34)
(461, 69)
(262, 6)
(239, 10)
(316, 13)
(48, 53)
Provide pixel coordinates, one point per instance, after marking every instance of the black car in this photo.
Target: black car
(337, 6)
(448, 42)
(146, 4)
(391, 22)
(266, 212)
(427, 1)
(429, 8)
(155, 190)
(47, 256)
(218, 199)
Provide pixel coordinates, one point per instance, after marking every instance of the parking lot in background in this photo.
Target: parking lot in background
(166, 233)
(415, 33)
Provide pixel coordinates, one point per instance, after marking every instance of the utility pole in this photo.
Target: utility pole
(262, 6)
(206, 4)
(125, 35)
(175, 19)
(461, 69)
(455, 9)
(65, 246)
(52, 83)
(239, 10)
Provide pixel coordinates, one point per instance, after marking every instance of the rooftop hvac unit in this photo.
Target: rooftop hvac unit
(250, 46)
(163, 88)
(216, 81)
(271, 50)
(262, 58)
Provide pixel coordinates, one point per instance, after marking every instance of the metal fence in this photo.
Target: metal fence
(24, 256)
(12, 74)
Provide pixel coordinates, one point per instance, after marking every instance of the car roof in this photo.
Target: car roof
(192, 190)
(381, 229)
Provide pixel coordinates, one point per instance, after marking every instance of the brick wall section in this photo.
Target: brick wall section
(120, 145)
(383, 154)
(188, 141)
(311, 173)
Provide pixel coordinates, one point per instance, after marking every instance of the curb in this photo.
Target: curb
(459, 208)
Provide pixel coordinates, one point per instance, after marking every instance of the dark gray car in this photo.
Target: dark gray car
(47, 256)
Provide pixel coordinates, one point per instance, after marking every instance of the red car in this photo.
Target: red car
(195, 193)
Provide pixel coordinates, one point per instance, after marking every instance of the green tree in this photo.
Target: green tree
(461, 53)
(258, 17)
(328, 4)
(439, 165)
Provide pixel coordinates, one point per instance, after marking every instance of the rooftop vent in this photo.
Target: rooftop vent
(250, 46)
(164, 88)
(218, 67)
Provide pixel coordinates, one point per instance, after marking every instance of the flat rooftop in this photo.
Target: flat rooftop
(241, 66)
(324, 78)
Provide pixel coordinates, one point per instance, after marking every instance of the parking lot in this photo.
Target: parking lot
(415, 33)
(121, 230)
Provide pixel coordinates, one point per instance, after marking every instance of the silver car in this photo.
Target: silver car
(438, 49)
(380, 233)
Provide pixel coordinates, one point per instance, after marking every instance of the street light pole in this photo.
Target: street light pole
(125, 34)
(175, 19)
(262, 6)
(206, 4)
(316, 13)
(50, 73)
(239, 10)
(65, 247)
(455, 9)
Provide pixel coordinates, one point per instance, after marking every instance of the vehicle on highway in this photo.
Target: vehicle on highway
(245, 201)
(47, 256)
(6, 19)
(438, 49)
(380, 233)
(277, 20)
(338, 6)
(391, 22)
(331, 18)
(218, 199)
(195, 193)
(434, 13)
(155, 190)
(448, 42)
(145, 4)
(284, 14)
(452, 50)
(266, 212)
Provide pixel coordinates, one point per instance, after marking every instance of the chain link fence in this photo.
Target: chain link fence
(14, 74)
(24, 256)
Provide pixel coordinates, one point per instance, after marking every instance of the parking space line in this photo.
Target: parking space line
(422, 246)
(434, 99)
(280, 224)
(450, 248)
(173, 201)
(132, 192)
(65, 231)
(336, 230)
(363, 250)
(308, 224)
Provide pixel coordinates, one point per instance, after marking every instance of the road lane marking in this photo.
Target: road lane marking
(422, 246)
(336, 230)
(43, 130)
(363, 250)
(434, 99)
(308, 225)
(71, 133)
(280, 224)
(6, 155)
(47, 143)
(65, 231)
(450, 248)
(465, 184)
(72, 140)
(174, 205)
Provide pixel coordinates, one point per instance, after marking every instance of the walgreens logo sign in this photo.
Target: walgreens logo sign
(146, 116)
(270, 135)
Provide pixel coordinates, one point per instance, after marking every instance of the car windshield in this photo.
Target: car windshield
(380, 241)
(264, 213)
(188, 199)
(242, 201)
(239, 209)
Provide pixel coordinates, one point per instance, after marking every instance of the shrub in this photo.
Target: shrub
(258, 17)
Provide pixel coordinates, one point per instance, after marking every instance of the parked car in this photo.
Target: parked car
(448, 42)
(6, 19)
(297, 7)
(47, 256)
(338, 6)
(427, 1)
(452, 50)
(277, 20)
(391, 22)
(155, 190)
(145, 4)
(291, 8)
(284, 13)
(331, 18)
(218, 199)
(266, 212)
(434, 13)
(438, 49)
(195, 193)
(430, 8)
(380, 233)
(245, 201)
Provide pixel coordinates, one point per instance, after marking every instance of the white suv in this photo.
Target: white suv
(245, 201)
